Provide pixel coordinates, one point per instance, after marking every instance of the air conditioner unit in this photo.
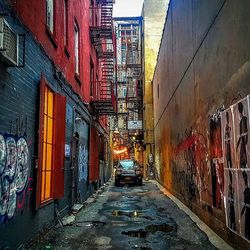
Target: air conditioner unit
(8, 44)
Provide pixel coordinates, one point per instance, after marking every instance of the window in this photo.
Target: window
(92, 13)
(120, 108)
(50, 174)
(124, 92)
(76, 38)
(91, 77)
(65, 22)
(50, 14)
(47, 145)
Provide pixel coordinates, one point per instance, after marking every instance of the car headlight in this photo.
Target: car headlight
(138, 172)
(118, 171)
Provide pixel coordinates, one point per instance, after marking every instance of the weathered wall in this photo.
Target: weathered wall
(20, 221)
(203, 68)
(154, 13)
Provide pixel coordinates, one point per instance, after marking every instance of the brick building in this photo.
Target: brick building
(53, 134)
(129, 44)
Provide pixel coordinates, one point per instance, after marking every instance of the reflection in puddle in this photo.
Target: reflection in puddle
(142, 233)
(89, 223)
(131, 214)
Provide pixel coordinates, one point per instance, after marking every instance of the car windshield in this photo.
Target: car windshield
(127, 165)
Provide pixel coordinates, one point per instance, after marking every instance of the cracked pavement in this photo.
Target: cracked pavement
(128, 217)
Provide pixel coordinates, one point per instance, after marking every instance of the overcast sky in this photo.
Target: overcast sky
(124, 8)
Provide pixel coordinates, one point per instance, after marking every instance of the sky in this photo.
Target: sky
(125, 8)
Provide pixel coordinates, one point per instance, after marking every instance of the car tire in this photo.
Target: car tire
(117, 183)
(140, 182)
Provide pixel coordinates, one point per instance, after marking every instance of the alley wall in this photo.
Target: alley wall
(43, 100)
(201, 112)
(154, 16)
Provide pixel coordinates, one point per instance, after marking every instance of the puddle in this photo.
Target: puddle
(147, 217)
(131, 214)
(89, 223)
(137, 233)
(118, 224)
(150, 229)
(166, 228)
(141, 248)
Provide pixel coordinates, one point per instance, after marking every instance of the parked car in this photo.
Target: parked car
(128, 171)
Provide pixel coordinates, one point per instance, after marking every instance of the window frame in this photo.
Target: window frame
(49, 116)
(77, 47)
(65, 22)
(50, 10)
(57, 134)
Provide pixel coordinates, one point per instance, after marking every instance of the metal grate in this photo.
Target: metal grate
(10, 42)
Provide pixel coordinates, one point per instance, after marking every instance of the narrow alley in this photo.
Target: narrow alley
(125, 124)
(128, 217)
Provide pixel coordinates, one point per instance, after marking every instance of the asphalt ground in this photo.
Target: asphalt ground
(129, 217)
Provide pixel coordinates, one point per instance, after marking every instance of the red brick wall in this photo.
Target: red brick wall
(33, 15)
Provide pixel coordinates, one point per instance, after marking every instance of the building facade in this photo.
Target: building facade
(154, 15)
(129, 86)
(53, 138)
(201, 112)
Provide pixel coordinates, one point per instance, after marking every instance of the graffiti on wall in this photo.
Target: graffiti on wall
(216, 159)
(192, 155)
(83, 163)
(19, 125)
(14, 172)
(236, 154)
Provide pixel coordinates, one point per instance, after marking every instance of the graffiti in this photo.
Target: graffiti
(22, 196)
(14, 172)
(19, 126)
(185, 179)
(217, 167)
(191, 154)
(83, 163)
(2, 154)
(185, 183)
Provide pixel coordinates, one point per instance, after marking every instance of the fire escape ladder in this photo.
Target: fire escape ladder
(134, 98)
(102, 35)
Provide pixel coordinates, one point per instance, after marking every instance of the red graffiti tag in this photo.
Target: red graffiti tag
(20, 203)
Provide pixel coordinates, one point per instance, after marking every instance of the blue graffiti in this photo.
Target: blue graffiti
(14, 172)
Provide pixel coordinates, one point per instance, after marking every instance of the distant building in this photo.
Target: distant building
(154, 14)
(129, 83)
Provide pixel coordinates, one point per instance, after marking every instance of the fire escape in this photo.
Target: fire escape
(103, 38)
(134, 91)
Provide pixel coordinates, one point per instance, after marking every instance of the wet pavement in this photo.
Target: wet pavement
(129, 217)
